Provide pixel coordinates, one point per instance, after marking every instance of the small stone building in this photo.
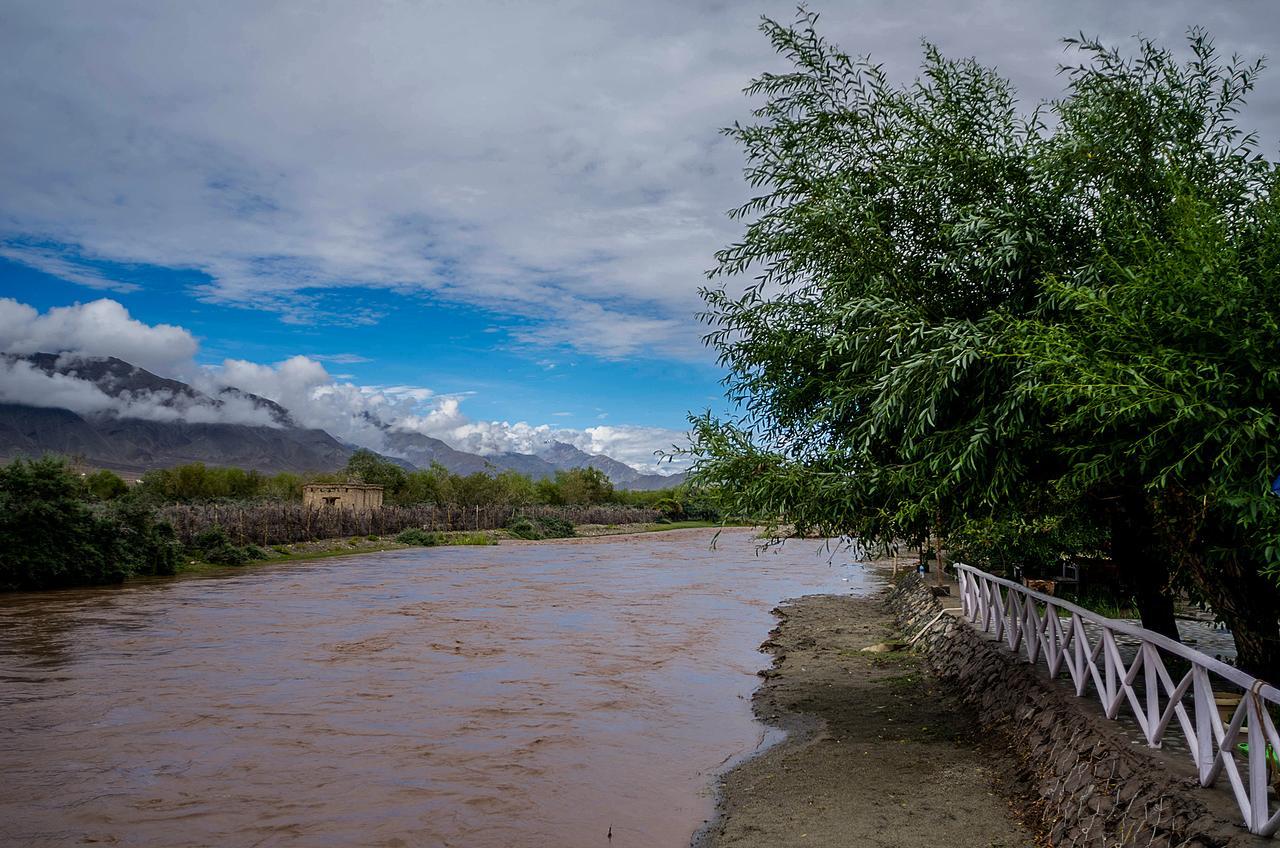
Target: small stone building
(356, 497)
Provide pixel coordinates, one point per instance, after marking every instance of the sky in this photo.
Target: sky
(487, 221)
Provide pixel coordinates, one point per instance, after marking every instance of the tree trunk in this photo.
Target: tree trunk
(1145, 568)
(1249, 604)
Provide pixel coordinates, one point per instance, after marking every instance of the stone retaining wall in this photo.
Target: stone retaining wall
(1088, 784)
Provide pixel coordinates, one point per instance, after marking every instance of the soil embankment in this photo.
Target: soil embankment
(879, 754)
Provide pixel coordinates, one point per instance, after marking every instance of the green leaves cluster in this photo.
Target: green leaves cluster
(52, 534)
(952, 314)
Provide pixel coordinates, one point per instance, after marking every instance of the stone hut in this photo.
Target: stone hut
(356, 497)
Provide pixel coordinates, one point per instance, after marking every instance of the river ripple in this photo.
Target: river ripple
(521, 695)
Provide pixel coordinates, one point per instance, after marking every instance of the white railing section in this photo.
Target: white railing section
(1041, 627)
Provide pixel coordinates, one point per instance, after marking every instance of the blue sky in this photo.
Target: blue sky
(417, 340)
(485, 221)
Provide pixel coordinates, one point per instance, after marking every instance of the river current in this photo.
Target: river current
(520, 695)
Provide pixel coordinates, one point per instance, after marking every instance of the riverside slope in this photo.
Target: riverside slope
(878, 753)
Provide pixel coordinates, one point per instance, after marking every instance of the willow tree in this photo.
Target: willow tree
(893, 225)
(902, 239)
(1167, 361)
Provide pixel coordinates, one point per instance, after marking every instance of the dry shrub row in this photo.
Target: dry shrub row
(279, 523)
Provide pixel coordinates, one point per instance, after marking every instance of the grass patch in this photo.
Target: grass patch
(471, 539)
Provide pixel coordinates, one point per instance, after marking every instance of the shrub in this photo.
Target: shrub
(418, 536)
(214, 546)
(49, 536)
(556, 528)
(546, 527)
(523, 528)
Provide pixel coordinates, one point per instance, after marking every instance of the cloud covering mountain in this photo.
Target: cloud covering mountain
(233, 391)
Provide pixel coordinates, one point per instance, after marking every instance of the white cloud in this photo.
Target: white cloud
(340, 358)
(59, 265)
(636, 446)
(99, 328)
(22, 382)
(353, 413)
(314, 397)
(558, 161)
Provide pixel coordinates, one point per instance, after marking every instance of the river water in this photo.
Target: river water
(520, 695)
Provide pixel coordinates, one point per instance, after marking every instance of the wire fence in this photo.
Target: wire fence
(271, 523)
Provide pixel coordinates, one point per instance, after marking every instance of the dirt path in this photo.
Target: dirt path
(877, 756)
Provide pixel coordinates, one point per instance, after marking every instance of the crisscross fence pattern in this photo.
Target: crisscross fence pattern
(1046, 629)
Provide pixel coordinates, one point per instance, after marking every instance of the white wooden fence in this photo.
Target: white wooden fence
(1041, 627)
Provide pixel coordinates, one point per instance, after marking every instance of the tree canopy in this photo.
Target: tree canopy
(1050, 326)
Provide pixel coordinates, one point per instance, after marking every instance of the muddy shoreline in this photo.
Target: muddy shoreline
(876, 753)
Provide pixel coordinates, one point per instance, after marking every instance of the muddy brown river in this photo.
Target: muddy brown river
(520, 695)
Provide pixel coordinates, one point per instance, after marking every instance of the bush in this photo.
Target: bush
(524, 527)
(50, 537)
(556, 528)
(146, 546)
(214, 546)
(418, 536)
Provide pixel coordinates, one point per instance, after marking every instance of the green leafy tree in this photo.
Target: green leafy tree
(892, 229)
(48, 535)
(583, 486)
(105, 485)
(901, 240)
(1167, 364)
(368, 467)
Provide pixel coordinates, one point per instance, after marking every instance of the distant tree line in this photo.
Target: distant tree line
(436, 485)
(63, 527)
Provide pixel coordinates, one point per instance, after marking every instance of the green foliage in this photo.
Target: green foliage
(215, 546)
(198, 482)
(540, 527)
(105, 485)
(577, 486)
(481, 539)
(1027, 329)
(418, 536)
(894, 226)
(368, 467)
(50, 537)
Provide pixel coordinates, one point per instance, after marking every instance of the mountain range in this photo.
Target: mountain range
(158, 422)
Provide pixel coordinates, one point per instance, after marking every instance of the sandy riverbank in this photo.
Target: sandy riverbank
(877, 753)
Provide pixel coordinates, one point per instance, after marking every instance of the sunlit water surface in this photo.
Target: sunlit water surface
(520, 695)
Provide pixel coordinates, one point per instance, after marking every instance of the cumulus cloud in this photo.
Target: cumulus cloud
(362, 415)
(558, 161)
(100, 328)
(357, 414)
(22, 382)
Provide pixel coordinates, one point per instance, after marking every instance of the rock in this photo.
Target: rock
(884, 648)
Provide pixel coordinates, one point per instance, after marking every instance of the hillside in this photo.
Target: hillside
(176, 424)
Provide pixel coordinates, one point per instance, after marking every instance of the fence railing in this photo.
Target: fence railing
(275, 523)
(1042, 627)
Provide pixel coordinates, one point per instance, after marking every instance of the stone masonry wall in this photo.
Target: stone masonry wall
(1091, 786)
